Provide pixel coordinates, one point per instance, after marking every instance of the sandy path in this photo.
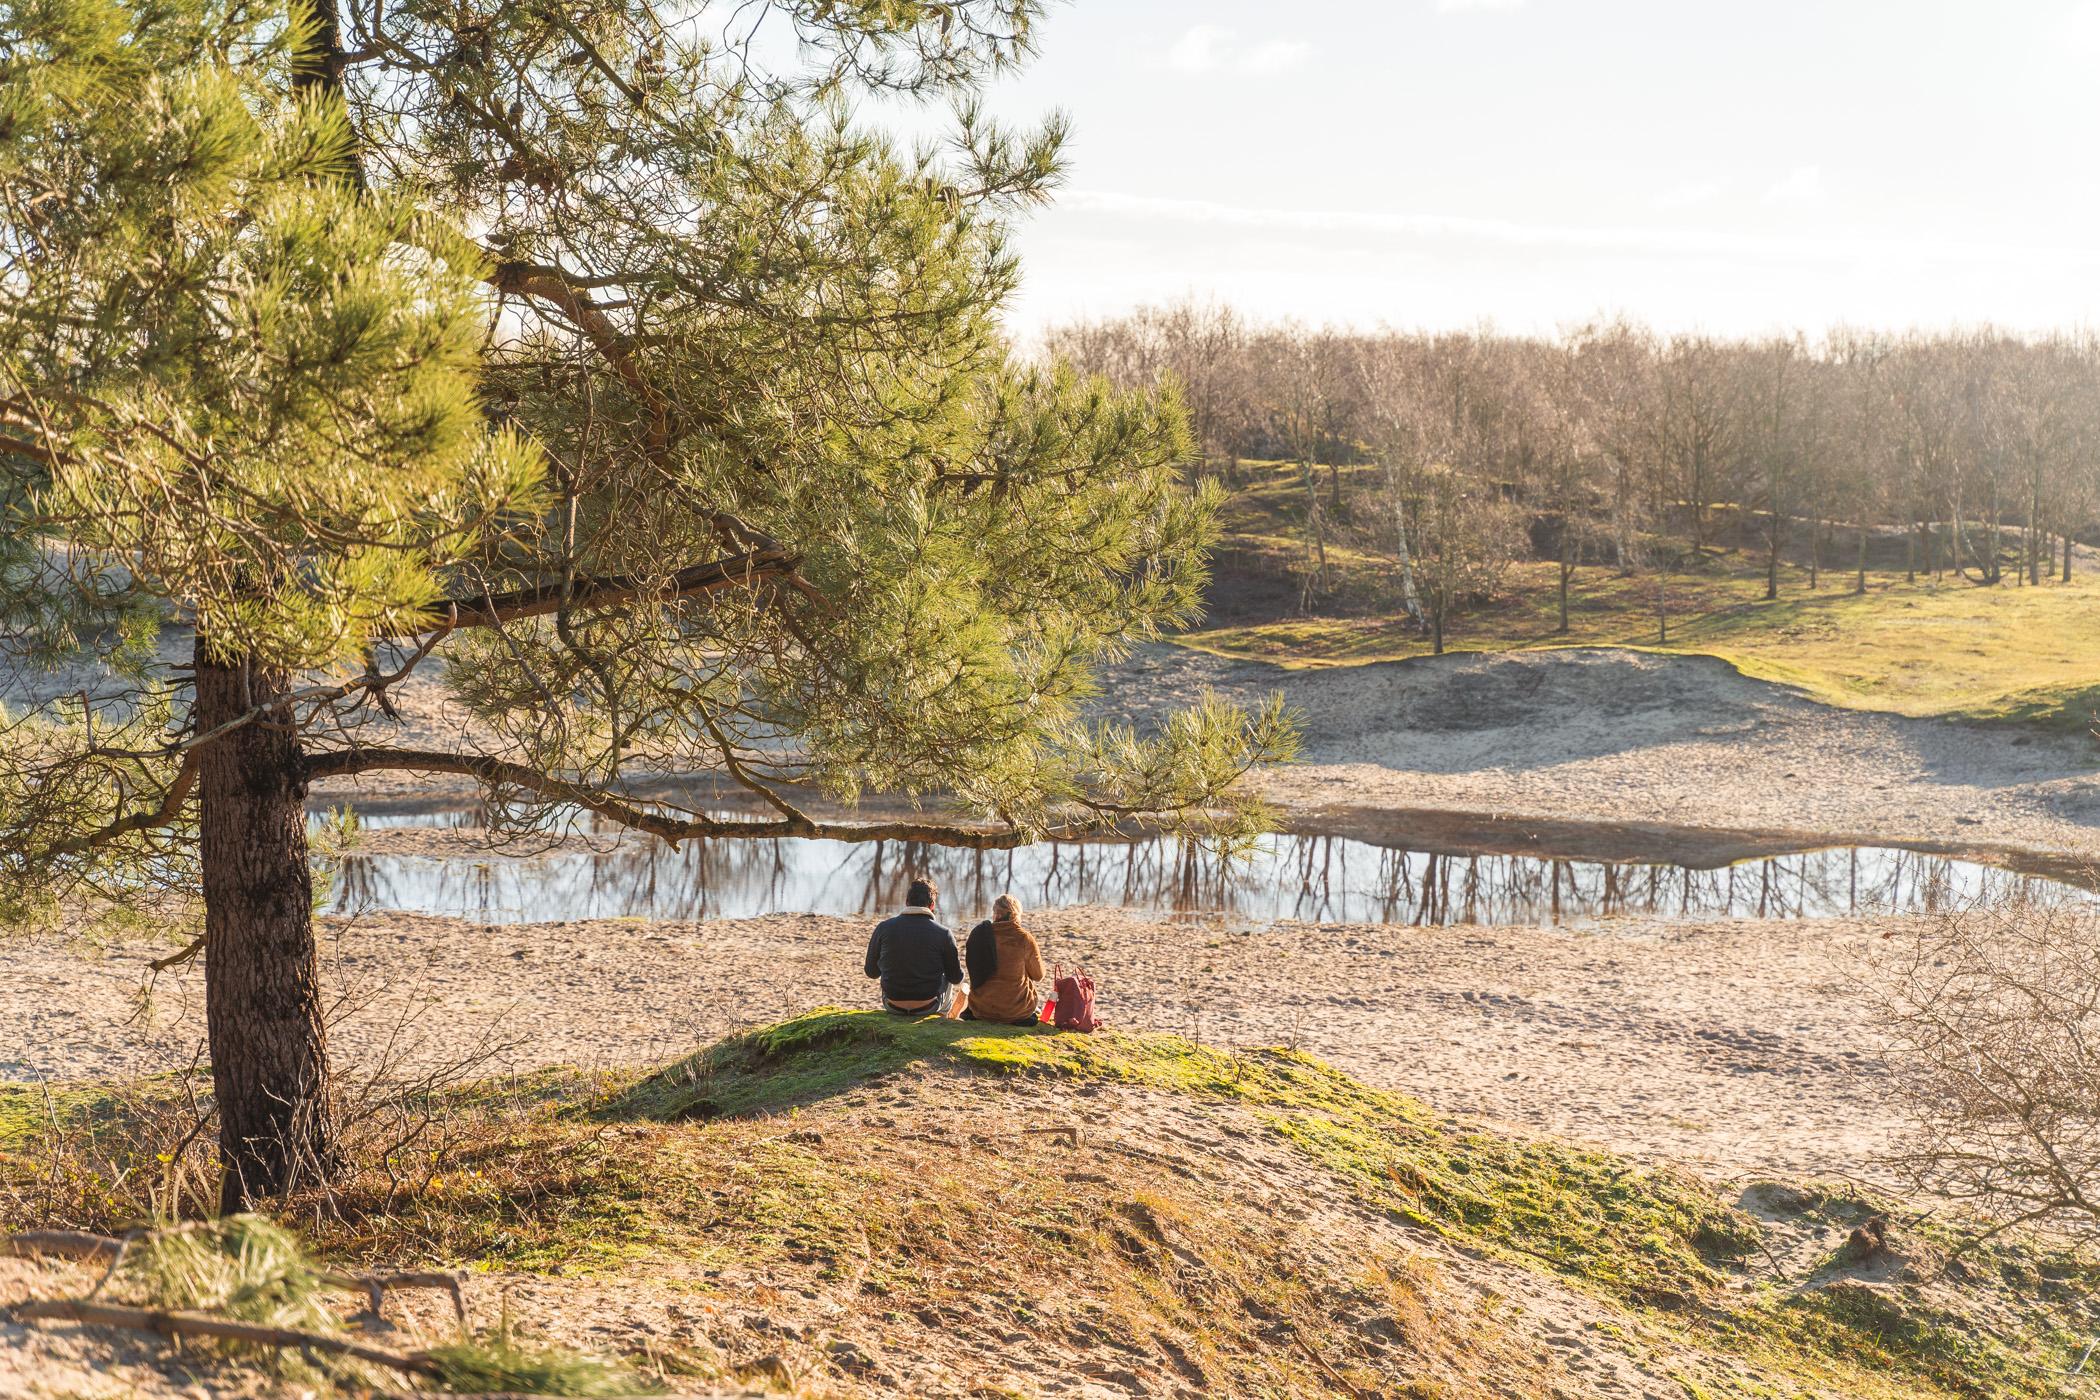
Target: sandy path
(1740, 1046)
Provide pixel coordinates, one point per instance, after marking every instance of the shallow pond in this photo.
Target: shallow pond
(1306, 877)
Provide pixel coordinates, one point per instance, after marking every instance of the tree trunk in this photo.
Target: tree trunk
(1772, 557)
(1698, 502)
(269, 1053)
(1410, 599)
(1861, 586)
(1815, 552)
(2036, 538)
(1567, 571)
(2067, 556)
(1436, 624)
(1997, 570)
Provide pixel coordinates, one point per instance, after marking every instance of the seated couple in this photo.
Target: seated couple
(914, 955)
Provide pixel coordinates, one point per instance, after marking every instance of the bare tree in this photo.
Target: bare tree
(1993, 1020)
(1696, 420)
(1465, 533)
(1391, 369)
(1777, 399)
(1615, 367)
(1856, 482)
(1313, 400)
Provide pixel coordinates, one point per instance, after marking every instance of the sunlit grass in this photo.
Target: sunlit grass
(1951, 649)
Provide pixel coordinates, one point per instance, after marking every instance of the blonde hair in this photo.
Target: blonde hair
(1006, 907)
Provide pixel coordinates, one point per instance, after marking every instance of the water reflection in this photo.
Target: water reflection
(1311, 878)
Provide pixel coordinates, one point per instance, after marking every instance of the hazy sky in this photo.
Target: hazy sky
(1736, 165)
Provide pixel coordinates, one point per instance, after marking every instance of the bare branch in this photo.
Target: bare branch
(637, 815)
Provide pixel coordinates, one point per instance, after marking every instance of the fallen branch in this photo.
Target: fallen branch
(179, 1324)
(1322, 1362)
(74, 1244)
(64, 1244)
(374, 1287)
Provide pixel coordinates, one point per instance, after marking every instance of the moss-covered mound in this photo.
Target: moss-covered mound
(1644, 1235)
(1661, 1242)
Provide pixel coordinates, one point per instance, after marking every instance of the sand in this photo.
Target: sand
(1738, 1046)
(1607, 735)
(1741, 1046)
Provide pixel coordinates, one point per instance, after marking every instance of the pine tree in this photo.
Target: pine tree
(604, 368)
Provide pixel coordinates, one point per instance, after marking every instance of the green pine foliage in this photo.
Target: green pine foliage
(312, 334)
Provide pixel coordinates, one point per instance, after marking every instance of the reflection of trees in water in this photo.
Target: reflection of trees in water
(1308, 878)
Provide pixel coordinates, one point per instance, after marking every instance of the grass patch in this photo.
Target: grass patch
(503, 1365)
(2013, 654)
(2003, 655)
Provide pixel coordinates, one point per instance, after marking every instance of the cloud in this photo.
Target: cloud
(1800, 186)
(1671, 242)
(1689, 194)
(1452, 7)
(1201, 50)
(1210, 48)
(1274, 56)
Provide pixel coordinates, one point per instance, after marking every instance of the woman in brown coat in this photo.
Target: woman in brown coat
(1006, 968)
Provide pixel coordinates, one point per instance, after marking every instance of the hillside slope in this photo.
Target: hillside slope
(850, 1205)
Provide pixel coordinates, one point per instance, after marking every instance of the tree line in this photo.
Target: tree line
(1968, 454)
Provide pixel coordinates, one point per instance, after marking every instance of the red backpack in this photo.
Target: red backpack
(1075, 1001)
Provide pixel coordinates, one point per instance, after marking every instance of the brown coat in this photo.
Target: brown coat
(1006, 969)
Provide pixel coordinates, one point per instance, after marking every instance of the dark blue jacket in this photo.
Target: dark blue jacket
(914, 955)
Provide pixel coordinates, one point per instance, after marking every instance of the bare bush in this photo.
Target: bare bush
(1993, 1018)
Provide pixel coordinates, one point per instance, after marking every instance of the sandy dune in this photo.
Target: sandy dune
(1610, 735)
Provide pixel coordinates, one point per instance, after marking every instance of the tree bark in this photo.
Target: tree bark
(1567, 572)
(1861, 585)
(1772, 556)
(269, 1052)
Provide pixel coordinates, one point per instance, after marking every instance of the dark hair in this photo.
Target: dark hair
(921, 893)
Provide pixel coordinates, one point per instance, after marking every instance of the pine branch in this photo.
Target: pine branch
(614, 590)
(144, 820)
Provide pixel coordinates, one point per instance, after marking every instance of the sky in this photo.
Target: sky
(1734, 166)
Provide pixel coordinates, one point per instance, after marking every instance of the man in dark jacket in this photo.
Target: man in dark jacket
(915, 957)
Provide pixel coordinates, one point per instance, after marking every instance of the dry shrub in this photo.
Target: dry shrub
(1992, 1014)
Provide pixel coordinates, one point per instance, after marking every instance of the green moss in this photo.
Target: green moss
(1640, 1235)
(30, 1111)
(502, 1365)
(1659, 1242)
